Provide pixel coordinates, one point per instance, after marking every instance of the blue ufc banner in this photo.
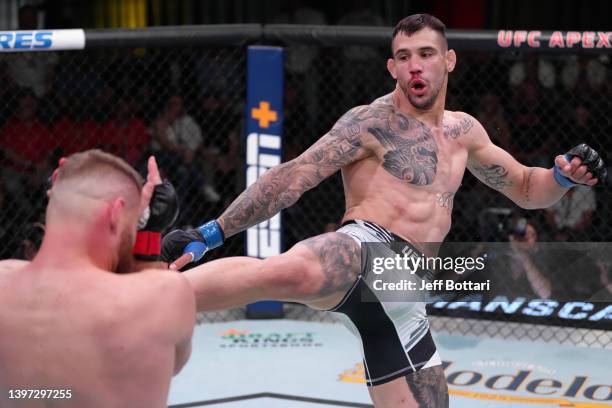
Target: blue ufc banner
(264, 125)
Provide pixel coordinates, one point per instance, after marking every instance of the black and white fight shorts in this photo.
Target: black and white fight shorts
(395, 337)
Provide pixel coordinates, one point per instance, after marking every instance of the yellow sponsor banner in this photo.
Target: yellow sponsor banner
(354, 375)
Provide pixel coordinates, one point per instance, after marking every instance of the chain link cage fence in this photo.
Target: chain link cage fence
(535, 105)
(185, 104)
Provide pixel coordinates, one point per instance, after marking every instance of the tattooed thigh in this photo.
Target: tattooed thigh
(428, 387)
(339, 258)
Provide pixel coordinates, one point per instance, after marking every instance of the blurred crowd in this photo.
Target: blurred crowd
(65, 103)
(186, 106)
(537, 107)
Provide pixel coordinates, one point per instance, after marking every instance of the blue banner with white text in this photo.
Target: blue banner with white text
(264, 120)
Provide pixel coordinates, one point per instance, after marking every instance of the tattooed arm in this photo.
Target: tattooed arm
(283, 185)
(528, 187)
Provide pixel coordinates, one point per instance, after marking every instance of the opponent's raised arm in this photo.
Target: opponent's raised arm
(159, 209)
(531, 187)
(279, 187)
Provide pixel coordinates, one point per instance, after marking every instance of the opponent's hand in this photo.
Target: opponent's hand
(580, 165)
(159, 210)
(182, 247)
(153, 179)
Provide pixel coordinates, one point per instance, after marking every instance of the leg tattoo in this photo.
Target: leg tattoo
(429, 388)
(340, 259)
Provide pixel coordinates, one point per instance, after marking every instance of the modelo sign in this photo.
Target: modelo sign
(525, 386)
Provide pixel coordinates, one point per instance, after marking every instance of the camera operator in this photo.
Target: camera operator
(514, 263)
(528, 264)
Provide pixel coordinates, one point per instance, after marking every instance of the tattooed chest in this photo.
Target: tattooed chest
(409, 152)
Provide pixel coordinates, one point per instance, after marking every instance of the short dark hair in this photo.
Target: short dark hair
(416, 22)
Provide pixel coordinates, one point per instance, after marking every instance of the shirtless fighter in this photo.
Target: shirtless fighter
(77, 330)
(402, 159)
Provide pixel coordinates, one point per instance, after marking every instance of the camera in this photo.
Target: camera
(497, 224)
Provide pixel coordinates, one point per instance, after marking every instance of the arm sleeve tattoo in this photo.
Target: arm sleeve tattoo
(493, 175)
(283, 185)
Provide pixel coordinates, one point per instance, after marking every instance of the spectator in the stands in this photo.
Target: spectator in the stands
(26, 145)
(229, 173)
(357, 60)
(9, 215)
(303, 81)
(531, 132)
(580, 125)
(528, 266)
(76, 131)
(531, 111)
(492, 116)
(535, 69)
(125, 135)
(571, 217)
(31, 70)
(177, 140)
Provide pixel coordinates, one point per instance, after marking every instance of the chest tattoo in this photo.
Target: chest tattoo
(411, 153)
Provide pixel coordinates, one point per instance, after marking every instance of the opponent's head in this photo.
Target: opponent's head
(98, 195)
(420, 59)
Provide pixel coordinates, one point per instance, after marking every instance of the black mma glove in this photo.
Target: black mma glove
(157, 217)
(196, 242)
(590, 158)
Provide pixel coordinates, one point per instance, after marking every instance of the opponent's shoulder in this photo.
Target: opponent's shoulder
(175, 301)
(12, 264)
(170, 285)
(163, 295)
(10, 268)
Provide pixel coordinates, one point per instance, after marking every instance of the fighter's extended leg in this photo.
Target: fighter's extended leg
(317, 271)
(425, 388)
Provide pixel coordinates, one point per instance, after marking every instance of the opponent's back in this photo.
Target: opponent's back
(100, 337)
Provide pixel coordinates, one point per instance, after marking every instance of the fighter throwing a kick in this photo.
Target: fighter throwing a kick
(402, 159)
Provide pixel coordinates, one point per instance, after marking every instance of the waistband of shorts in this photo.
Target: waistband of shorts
(396, 238)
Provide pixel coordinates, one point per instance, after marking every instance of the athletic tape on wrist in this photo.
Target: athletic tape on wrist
(212, 234)
(144, 218)
(560, 178)
(148, 244)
